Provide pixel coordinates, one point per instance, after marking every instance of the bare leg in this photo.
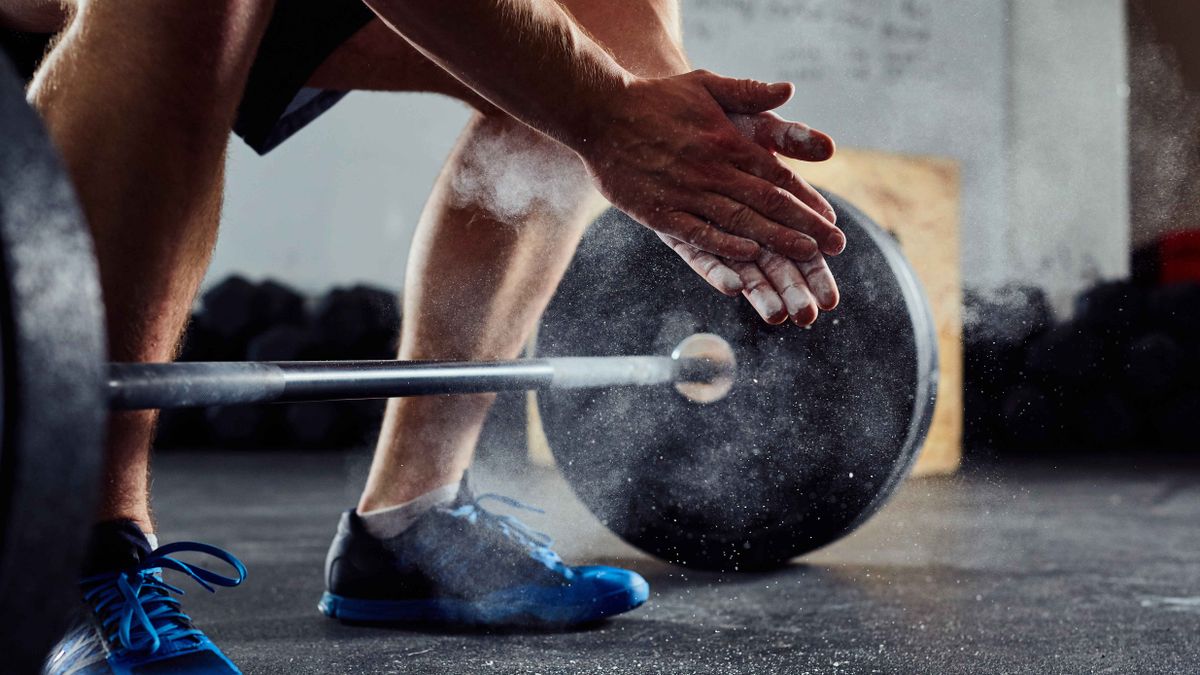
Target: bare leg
(476, 285)
(139, 97)
(495, 238)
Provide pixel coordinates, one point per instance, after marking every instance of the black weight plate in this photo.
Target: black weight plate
(53, 411)
(820, 427)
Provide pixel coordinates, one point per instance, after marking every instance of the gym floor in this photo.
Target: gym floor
(1021, 568)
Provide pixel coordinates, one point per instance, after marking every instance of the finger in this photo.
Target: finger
(704, 236)
(761, 293)
(791, 139)
(820, 281)
(800, 141)
(738, 218)
(782, 206)
(767, 166)
(771, 169)
(817, 202)
(745, 96)
(718, 275)
(791, 286)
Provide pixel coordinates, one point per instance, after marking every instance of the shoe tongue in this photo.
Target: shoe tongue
(465, 495)
(115, 545)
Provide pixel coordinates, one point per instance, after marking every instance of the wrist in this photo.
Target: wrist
(597, 111)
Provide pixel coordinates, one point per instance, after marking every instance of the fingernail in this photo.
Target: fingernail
(728, 279)
(795, 300)
(767, 304)
(779, 88)
(839, 243)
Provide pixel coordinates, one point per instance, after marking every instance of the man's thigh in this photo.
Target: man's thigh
(302, 34)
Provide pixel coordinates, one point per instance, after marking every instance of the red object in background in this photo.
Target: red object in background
(1179, 257)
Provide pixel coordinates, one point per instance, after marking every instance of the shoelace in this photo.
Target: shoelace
(136, 608)
(537, 543)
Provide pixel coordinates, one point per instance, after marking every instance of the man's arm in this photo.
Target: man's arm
(527, 57)
(663, 150)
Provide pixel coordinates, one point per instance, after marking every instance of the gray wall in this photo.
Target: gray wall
(914, 76)
(1069, 193)
(1027, 94)
(338, 202)
(1164, 118)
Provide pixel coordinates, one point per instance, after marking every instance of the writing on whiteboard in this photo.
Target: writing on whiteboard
(816, 41)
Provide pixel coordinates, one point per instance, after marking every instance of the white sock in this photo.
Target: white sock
(153, 539)
(388, 522)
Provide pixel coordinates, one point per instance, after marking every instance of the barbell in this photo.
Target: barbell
(701, 367)
(774, 441)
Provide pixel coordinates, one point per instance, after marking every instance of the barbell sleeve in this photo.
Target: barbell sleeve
(136, 386)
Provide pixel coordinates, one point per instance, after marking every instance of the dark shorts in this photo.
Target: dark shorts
(275, 104)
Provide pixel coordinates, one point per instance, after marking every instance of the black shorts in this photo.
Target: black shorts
(275, 104)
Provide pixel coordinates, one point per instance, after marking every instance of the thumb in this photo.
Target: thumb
(747, 96)
(792, 139)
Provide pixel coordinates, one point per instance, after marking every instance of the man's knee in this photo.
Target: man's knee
(214, 38)
(514, 172)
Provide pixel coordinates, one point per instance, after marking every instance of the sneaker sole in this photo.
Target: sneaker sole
(504, 608)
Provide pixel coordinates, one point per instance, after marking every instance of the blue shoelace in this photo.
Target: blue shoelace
(135, 607)
(537, 543)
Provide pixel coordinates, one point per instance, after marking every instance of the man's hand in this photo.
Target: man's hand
(693, 158)
(666, 153)
(661, 149)
(777, 288)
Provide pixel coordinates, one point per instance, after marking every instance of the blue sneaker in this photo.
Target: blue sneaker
(465, 565)
(130, 622)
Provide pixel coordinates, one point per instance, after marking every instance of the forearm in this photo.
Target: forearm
(527, 57)
(662, 149)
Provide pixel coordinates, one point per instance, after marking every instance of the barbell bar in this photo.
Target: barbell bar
(702, 366)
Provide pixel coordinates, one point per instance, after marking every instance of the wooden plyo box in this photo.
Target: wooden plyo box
(917, 199)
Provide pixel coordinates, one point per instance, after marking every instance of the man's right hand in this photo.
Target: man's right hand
(666, 152)
(777, 287)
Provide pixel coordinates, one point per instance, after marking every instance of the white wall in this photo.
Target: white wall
(1027, 94)
(337, 203)
(1069, 193)
(913, 76)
